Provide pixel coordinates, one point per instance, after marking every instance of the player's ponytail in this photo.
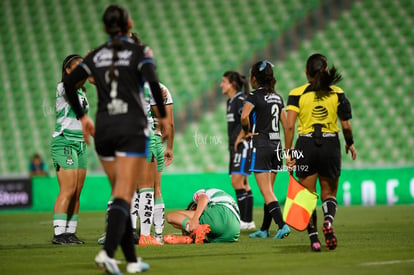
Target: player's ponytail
(116, 21)
(320, 76)
(263, 72)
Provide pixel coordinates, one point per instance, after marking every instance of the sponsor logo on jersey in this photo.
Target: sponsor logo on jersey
(103, 58)
(272, 98)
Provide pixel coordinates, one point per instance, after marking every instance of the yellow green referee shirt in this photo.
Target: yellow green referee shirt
(315, 108)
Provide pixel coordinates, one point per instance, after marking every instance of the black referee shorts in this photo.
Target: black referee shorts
(324, 159)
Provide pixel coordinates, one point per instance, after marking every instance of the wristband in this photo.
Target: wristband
(349, 141)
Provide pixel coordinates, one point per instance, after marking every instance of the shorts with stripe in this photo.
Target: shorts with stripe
(109, 144)
(239, 162)
(156, 151)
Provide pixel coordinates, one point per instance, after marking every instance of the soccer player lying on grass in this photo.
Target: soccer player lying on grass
(215, 219)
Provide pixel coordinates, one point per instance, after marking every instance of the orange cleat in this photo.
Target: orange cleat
(173, 239)
(148, 241)
(200, 233)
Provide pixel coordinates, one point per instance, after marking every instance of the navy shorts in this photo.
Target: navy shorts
(266, 159)
(121, 139)
(239, 162)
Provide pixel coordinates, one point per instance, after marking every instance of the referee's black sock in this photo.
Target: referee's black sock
(329, 209)
(312, 228)
(242, 203)
(249, 206)
(118, 213)
(274, 210)
(267, 219)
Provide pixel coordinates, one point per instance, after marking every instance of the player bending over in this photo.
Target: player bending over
(216, 218)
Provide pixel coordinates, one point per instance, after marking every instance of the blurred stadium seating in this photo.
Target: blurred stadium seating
(194, 43)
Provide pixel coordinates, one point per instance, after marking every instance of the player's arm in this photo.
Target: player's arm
(345, 115)
(245, 123)
(168, 154)
(149, 73)
(290, 128)
(202, 203)
(70, 83)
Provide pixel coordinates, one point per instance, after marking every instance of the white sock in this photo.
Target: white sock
(59, 223)
(146, 210)
(72, 224)
(134, 210)
(159, 215)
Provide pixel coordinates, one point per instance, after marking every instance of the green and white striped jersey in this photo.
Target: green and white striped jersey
(66, 121)
(218, 197)
(149, 102)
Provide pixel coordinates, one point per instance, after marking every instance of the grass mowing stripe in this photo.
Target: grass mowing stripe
(389, 262)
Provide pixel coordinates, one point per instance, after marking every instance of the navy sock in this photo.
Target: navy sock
(127, 243)
(241, 202)
(249, 206)
(267, 219)
(118, 213)
(274, 210)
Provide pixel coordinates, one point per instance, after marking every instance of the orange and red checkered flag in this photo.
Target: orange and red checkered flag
(299, 205)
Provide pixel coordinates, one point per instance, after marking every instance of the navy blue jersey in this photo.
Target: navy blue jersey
(234, 110)
(265, 117)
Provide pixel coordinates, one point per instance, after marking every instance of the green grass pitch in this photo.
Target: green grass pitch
(371, 240)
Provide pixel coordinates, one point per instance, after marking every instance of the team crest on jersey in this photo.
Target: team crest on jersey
(69, 160)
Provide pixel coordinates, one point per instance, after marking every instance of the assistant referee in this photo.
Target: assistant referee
(317, 105)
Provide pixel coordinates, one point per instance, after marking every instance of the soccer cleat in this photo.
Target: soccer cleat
(173, 239)
(261, 234)
(74, 239)
(200, 233)
(282, 232)
(315, 247)
(110, 265)
(247, 225)
(101, 240)
(137, 267)
(62, 239)
(148, 241)
(330, 238)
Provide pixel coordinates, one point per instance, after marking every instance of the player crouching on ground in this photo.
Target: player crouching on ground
(216, 218)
